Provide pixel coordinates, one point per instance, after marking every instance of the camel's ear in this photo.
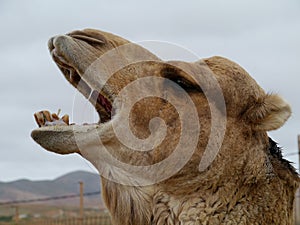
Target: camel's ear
(268, 113)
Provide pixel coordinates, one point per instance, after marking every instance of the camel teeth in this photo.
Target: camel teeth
(45, 118)
(65, 118)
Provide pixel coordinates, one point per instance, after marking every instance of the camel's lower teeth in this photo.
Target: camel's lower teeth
(45, 118)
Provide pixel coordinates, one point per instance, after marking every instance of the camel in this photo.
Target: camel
(220, 168)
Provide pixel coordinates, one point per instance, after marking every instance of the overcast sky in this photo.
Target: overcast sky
(262, 36)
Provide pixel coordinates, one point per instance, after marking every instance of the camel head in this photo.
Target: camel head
(176, 142)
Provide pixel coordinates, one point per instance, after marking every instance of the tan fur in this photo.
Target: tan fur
(245, 184)
(270, 113)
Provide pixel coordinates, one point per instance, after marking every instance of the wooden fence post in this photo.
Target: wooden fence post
(81, 212)
(17, 214)
(297, 205)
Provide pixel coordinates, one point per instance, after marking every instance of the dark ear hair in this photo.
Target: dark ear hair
(268, 113)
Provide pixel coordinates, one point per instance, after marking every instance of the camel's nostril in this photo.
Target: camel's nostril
(90, 40)
(87, 37)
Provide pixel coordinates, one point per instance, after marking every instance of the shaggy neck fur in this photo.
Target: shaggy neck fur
(228, 204)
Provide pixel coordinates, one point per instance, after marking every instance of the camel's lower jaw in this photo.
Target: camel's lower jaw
(66, 139)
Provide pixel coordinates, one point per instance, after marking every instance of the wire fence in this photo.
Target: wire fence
(101, 218)
(95, 220)
(48, 198)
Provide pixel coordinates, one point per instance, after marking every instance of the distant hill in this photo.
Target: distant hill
(65, 185)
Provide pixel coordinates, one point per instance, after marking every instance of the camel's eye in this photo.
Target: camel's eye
(175, 76)
(185, 84)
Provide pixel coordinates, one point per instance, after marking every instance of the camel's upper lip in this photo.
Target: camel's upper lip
(101, 99)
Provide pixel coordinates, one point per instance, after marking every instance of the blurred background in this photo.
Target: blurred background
(262, 36)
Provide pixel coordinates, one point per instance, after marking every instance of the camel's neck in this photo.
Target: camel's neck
(266, 197)
(127, 205)
(251, 204)
(231, 204)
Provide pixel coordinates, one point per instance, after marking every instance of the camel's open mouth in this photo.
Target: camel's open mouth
(55, 133)
(101, 100)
